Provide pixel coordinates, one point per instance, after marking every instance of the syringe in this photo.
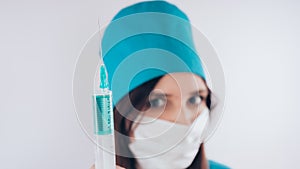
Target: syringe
(104, 124)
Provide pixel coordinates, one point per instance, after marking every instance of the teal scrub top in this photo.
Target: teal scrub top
(215, 165)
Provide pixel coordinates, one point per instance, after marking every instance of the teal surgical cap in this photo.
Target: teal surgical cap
(147, 40)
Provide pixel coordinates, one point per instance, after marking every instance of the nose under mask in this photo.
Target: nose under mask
(162, 144)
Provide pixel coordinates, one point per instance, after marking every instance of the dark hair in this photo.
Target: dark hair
(124, 114)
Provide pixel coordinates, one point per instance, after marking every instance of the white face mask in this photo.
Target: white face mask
(161, 144)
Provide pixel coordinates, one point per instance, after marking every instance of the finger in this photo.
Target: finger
(93, 167)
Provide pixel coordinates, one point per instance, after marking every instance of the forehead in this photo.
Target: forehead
(174, 83)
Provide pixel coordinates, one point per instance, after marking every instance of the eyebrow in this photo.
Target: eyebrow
(156, 94)
(199, 91)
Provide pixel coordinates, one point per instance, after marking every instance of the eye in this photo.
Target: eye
(157, 102)
(195, 100)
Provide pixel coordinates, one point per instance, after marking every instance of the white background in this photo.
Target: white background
(258, 45)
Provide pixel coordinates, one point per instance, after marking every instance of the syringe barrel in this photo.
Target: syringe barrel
(104, 129)
(103, 112)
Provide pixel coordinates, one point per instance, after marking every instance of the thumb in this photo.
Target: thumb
(118, 167)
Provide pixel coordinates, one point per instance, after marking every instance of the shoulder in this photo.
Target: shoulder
(215, 165)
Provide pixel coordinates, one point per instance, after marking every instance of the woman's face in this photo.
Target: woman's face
(178, 98)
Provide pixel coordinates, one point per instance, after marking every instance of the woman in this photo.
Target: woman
(161, 100)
